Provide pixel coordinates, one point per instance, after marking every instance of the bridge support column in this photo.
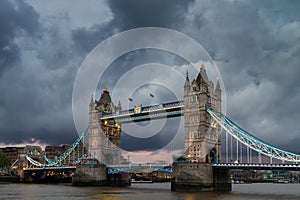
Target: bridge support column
(199, 177)
(119, 179)
(90, 175)
(96, 175)
(222, 180)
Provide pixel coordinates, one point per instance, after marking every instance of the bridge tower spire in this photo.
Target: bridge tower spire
(218, 96)
(218, 109)
(119, 106)
(187, 85)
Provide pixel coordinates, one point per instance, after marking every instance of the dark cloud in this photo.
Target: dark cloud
(254, 43)
(130, 14)
(85, 39)
(153, 143)
(36, 99)
(254, 75)
(15, 18)
(157, 13)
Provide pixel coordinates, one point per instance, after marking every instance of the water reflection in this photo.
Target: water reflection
(156, 191)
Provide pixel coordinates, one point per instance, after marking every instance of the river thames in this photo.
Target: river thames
(156, 191)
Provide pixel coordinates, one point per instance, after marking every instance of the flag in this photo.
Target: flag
(130, 99)
(151, 95)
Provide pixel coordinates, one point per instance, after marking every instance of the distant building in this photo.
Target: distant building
(33, 150)
(18, 153)
(12, 153)
(52, 152)
(36, 153)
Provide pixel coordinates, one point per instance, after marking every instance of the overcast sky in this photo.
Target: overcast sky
(256, 45)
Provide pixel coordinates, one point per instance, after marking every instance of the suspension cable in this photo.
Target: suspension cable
(251, 141)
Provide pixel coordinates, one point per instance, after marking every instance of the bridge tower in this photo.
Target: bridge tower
(202, 139)
(104, 136)
(104, 145)
(202, 134)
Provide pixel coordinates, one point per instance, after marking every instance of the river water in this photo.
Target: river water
(156, 191)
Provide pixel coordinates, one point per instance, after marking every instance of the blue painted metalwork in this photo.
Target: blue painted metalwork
(164, 110)
(58, 161)
(251, 141)
(116, 170)
(292, 167)
(174, 109)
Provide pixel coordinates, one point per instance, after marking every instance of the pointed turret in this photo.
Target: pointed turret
(187, 80)
(119, 107)
(105, 103)
(218, 89)
(202, 76)
(187, 86)
(92, 100)
(93, 109)
(92, 103)
(218, 96)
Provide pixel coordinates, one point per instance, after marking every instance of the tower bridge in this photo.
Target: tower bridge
(201, 166)
(201, 133)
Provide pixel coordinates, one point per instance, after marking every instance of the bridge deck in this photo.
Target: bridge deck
(51, 168)
(247, 166)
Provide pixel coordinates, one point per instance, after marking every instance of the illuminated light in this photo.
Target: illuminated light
(105, 122)
(105, 89)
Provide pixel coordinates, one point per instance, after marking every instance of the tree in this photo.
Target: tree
(4, 160)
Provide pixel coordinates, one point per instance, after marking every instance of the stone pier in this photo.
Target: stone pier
(90, 175)
(199, 177)
(96, 175)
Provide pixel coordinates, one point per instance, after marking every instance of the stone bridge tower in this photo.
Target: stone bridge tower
(104, 136)
(202, 134)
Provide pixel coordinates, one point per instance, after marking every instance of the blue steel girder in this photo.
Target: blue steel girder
(62, 157)
(174, 109)
(292, 167)
(116, 170)
(166, 110)
(251, 141)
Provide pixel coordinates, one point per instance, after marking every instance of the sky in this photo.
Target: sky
(255, 44)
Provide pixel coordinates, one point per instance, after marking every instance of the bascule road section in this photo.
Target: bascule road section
(201, 166)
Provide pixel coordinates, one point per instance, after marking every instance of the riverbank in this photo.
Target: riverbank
(9, 179)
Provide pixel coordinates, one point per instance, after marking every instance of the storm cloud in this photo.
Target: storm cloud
(256, 45)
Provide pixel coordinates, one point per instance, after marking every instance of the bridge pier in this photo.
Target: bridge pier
(90, 175)
(97, 175)
(118, 179)
(199, 177)
(222, 180)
